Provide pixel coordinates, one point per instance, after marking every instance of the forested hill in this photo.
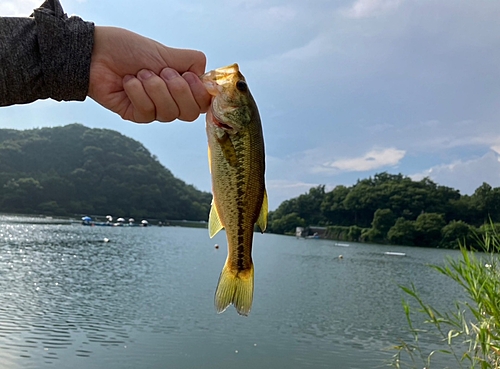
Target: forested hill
(392, 208)
(78, 170)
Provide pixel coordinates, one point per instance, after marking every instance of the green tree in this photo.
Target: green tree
(306, 206)
(75, 169)
(487, 201)
(354, 233)
(309, 205)
(466, 209)
(402, 232)
(362, 202)
(22, 193)
(456, 232)
(428, 229)
(287, 224)
(377, 201)
(333, 208)
(383, 220)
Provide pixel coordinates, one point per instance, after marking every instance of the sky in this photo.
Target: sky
(346, 89)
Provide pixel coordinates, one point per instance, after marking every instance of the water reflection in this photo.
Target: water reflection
(144, 299)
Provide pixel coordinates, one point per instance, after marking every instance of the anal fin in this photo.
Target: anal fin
(262, 220)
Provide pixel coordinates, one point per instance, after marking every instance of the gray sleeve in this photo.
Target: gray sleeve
(46, 55)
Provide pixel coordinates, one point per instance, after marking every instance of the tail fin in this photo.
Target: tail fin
(235, 287)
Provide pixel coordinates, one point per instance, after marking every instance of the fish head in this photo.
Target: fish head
(232, 104)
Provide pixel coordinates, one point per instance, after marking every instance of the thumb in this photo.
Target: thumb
(184, 60)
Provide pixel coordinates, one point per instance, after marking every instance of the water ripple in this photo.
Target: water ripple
(146, 299)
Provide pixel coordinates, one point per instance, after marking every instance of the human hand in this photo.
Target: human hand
(143, 80)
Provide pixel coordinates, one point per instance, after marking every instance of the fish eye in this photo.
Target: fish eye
(241, 86)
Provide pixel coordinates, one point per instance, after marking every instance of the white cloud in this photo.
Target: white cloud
(18, 8)
(370, 8)
(467, 175)
(435, 136)
(456, 135)
(293, 186)
(374, 159)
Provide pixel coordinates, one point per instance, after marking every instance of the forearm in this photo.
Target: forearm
(44, 56)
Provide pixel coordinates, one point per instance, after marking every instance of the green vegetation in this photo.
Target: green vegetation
(77, 170)
(470, 332)
(391, 209)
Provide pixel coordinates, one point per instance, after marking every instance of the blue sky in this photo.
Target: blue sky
(346, 89)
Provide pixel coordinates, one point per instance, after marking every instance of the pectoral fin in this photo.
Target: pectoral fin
(214, 223)
(262, 220)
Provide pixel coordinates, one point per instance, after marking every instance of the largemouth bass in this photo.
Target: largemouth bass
(237, 165)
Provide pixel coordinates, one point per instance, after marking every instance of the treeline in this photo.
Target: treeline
(392, 209)
(77, 170)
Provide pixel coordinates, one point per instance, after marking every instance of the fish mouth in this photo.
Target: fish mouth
(217, 121)
(220, 76)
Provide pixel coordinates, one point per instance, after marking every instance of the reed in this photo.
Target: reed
(469, 333)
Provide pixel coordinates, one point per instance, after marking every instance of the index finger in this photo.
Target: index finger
(198, 90)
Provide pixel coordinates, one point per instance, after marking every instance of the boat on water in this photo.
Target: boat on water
(394, 253)
(120, 222)
(315, 236)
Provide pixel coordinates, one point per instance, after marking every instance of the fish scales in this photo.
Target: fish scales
(237, 165)
(235, 213)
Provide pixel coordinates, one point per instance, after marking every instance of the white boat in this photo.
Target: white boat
(394, 253)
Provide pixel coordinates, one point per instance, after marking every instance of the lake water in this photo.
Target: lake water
(145, 299)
